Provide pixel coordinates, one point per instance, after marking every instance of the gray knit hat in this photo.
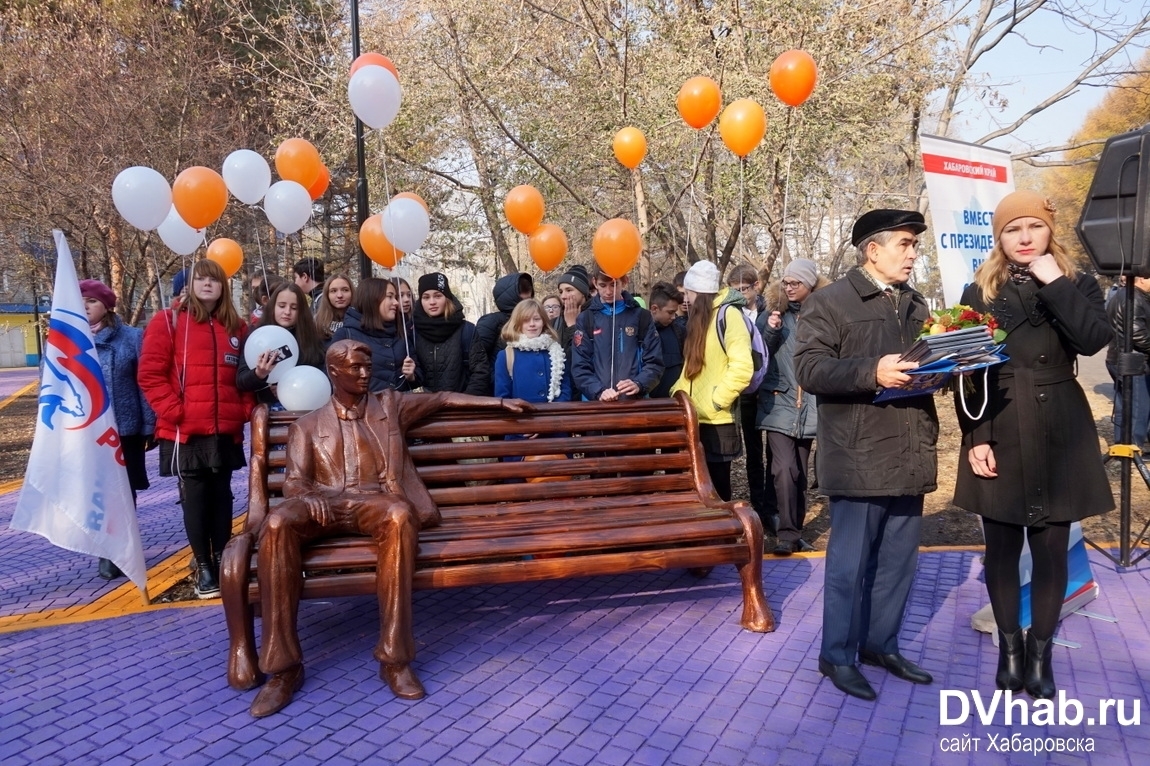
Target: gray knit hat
(804, 270)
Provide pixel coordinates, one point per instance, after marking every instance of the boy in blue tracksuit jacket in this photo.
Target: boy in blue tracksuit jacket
(627, 366)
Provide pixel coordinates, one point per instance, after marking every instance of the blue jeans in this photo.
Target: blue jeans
(1141, 422)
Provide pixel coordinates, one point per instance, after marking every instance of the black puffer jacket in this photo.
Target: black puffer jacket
(388, 350)
(865, 449)
(506, 293)
(446, 365)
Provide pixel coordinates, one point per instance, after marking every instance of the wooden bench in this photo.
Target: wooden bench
(633, 496)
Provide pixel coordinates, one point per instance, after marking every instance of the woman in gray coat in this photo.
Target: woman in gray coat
(1030, 464)
(786, 412)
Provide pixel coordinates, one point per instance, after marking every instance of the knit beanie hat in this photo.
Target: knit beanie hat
(1022, 204)
(435, 281)
(578, 278)
(94, 288)
(804, 270)
(702, 277)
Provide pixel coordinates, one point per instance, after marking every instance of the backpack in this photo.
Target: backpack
(759, 354)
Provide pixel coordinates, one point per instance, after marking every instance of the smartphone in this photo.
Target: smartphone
(281, 353)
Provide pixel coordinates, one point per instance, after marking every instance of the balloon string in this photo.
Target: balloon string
(387, 195)
(782, 232)
(263, 264)
(742, 191)
(383, 163)
(611, 383)
(159, 281)
(694, 203)
(787, 185)
(399, 313)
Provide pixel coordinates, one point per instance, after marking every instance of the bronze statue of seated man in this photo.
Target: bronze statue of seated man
(348, 471)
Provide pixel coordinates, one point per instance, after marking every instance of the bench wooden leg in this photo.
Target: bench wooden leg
(235, 568)
(757, 615)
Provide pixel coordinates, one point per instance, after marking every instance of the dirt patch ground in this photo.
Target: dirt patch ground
(17, 425)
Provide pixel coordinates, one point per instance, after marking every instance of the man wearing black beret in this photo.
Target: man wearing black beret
(875, 461)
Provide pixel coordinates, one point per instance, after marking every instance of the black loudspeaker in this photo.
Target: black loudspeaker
(1115, 224)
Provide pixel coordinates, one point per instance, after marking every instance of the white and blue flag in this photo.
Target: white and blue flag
(76, 491)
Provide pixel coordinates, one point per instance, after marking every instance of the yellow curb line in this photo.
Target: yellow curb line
(30, 387)
(122, 601)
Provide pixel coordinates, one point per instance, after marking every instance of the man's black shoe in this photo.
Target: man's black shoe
(802, 546)
(783, 548)
(896, 665)
(847, 678)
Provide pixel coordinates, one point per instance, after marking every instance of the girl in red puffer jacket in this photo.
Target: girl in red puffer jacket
(187, 371)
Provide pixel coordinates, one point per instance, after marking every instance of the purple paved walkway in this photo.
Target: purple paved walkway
(645, 669)
(36, 575)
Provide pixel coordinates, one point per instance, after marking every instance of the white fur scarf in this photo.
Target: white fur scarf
(558, 359)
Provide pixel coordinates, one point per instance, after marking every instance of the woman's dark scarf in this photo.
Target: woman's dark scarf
(440, 328)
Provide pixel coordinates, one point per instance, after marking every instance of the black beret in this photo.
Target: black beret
(875, 221)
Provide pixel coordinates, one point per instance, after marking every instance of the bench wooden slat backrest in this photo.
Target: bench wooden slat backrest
(590, 449)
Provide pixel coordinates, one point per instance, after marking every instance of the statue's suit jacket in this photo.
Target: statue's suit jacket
(315, 460)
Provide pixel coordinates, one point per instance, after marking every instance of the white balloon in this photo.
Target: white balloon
(304, 389)
(405, 224)
(272, 337)
(180, 238)
(142, 196)
(288, 206)
(375, 95)
(247, 175)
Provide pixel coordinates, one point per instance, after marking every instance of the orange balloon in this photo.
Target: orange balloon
(316, 190)
(630, 147)
(227, 253)
(793, 76)
(414, 196)
(699, 101)
(743, 126)
(297, 160)
(378, 59)
(524, 209)
(200, 196)
(616, 246)
(548, 246)
(375, 244)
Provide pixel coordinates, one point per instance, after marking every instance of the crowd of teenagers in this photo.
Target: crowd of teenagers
(769, 367)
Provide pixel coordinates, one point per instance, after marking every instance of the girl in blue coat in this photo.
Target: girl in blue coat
(533, 366)
(373, 318)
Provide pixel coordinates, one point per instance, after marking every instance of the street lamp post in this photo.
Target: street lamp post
(361, 208)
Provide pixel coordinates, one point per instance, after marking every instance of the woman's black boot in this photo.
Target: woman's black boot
(1039, 675)
(1011, 651)
(207, 579)
(108, 570)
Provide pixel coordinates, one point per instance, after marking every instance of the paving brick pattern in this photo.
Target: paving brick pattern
(644, 669)
(36, 576)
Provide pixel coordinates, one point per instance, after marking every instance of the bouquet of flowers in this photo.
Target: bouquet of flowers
(959, 317)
